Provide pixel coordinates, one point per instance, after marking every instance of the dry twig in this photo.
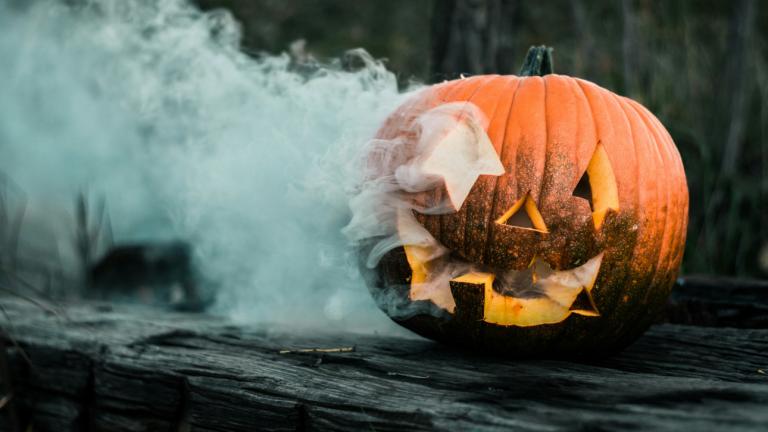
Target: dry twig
(407, 375)
(318, 350)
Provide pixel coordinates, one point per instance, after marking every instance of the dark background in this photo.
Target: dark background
(699, 66)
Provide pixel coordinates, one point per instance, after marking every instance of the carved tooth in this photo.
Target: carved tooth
(559, 291)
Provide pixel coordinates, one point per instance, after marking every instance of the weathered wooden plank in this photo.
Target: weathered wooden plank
(131, 369)
(719, 302)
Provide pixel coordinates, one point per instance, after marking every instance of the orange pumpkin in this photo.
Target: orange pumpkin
(568, 243)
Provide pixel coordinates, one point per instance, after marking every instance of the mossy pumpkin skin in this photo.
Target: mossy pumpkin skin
(546, 131)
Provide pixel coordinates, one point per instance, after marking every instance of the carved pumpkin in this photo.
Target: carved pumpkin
(560, 233)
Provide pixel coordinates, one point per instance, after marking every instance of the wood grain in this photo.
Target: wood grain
(129, 369)
(719, 302)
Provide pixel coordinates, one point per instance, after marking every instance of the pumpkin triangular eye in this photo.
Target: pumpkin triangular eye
(598, 186)
(523, 214)
(584, 190)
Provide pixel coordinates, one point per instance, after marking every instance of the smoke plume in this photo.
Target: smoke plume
(152, 106)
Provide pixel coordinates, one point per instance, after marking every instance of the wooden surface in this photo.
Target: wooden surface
(129, 369)
(719, 302)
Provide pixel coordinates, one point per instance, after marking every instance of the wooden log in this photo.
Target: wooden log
(130, 369)
(719, 302)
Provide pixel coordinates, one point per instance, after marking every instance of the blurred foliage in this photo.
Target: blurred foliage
(395, 30)
(701, 67)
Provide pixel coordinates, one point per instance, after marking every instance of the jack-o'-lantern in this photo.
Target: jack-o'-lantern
(535, 215)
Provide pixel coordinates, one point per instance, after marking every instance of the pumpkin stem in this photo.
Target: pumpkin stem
(538, 62)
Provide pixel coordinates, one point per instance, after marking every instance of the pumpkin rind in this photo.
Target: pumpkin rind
(546, 131)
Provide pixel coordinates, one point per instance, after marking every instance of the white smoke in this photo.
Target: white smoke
(450, 151)
(446, 149)
(151, 105)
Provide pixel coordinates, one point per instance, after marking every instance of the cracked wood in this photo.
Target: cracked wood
(130, 369)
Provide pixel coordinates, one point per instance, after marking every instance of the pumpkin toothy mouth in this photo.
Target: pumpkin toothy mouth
(533, 296)
(529, 297)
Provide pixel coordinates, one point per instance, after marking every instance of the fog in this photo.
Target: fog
(151, 106)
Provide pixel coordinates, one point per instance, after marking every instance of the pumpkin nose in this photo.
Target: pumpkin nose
(524, 214)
